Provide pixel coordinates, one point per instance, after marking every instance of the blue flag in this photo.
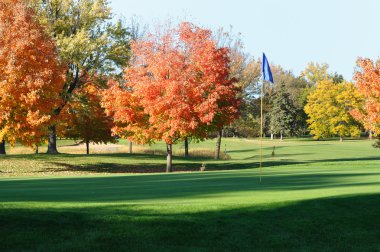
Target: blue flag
(266, 70)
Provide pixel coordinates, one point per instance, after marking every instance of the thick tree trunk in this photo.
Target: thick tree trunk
(218, 144)
(2, 147)
(88, 147)
(52, 140)
(169, 157)
(130, 147)
(271, 136)
(186, 148)
(370, 135)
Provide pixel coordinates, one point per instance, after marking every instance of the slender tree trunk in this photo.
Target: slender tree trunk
(271, 136)
(88, 147)
(186, 148)
(52, 140)
(130, 147)
(281, 137)
(2, 147)
(218, 144)
(370, 135)
(341, 138)
(36, 149)
(169, 157)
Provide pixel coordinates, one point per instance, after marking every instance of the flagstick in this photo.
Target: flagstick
(261, 130)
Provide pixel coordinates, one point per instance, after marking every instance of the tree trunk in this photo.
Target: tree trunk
(370, 135)
(88, 147)
(271, 136)
(130, 147)
(52, 140)
(36, 149)
(2, 147)
(218, 143)
(169, 157)
(186, 148)
(341, 138)
(281, 137)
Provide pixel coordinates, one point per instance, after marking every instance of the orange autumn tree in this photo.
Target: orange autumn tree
(30, 76)
(367, 78)
(85, 118)
(177, 86)
(130, 120)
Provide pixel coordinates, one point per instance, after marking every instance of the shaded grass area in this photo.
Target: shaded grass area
(336, 224)
(244, 154)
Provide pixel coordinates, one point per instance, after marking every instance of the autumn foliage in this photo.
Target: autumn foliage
(30, 75)
(177, 86)
(367, 79)
(329, 109)
(85, 119)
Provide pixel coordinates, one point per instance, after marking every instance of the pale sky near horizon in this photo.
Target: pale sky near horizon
(290, 32)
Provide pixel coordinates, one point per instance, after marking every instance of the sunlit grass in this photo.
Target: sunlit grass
(314, 196)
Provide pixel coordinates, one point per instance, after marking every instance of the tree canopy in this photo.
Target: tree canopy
(178, 86)
(329, 107)
(89, 43)
(31, 76)
(367, 77)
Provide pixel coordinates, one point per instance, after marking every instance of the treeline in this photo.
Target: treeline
(318, 102)
(68, 69)
(292, 105)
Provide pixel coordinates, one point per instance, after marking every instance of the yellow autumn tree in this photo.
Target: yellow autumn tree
(315, 72)
(328, 108)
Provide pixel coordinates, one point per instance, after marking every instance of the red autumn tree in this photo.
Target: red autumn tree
(30, 75)
(86, 119)
(177, 86)
(367, 79)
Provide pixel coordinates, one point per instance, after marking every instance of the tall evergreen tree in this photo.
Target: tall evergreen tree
(282, 113)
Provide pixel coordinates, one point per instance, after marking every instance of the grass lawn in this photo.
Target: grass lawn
(314, 196)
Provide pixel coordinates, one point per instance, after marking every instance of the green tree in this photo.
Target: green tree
(297, 88)
(337, 78)
(88, 41)
(329, 107)
(281, 115)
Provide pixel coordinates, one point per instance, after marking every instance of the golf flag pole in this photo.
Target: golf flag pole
(267, 76)
(261, 128)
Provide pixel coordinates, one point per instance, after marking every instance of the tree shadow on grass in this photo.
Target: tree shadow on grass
(190, 166)
(146, 163)
(174, 186)
(335, 224)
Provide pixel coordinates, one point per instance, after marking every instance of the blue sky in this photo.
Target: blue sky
(290, 32)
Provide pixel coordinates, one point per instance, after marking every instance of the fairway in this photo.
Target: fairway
(314, 196)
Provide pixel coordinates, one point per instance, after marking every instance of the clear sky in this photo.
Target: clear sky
(290, 32)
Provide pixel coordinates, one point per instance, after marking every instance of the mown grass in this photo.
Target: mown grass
(314, 196)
